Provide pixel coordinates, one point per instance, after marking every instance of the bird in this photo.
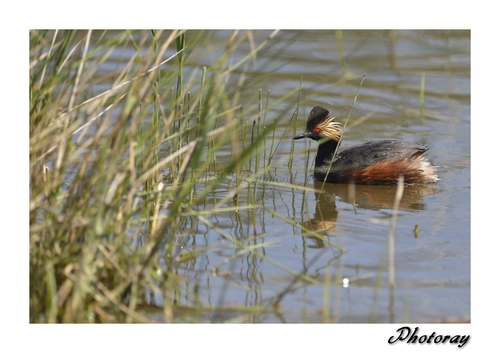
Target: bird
(379, 162)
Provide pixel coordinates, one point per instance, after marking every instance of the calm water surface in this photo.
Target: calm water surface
(432, 236)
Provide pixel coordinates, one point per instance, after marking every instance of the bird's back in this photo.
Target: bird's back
(380, 162)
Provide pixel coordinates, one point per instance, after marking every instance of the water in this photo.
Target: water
(432, 238)
(342, 275)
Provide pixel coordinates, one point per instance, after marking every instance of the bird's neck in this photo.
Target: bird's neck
(325, 153)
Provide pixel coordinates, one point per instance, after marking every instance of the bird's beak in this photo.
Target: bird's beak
(301, 136)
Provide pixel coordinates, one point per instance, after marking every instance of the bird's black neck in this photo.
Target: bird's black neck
(325, 153)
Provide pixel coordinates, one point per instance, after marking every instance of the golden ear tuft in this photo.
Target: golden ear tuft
(330, 128)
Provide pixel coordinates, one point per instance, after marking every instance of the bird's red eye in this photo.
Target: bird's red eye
(316, 129)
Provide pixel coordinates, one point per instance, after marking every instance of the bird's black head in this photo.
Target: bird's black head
(321, 125)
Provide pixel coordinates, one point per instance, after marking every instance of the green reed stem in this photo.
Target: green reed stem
(390, 243)
(422, 96)
(272, 144)
(294, 126)
(265, 127)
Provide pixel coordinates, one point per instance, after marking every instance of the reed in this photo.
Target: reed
(123, 166)
(422, 98)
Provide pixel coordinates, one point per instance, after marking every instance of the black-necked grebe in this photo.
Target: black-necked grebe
(376, 162)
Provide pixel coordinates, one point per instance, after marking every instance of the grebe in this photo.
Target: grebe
(376, 162)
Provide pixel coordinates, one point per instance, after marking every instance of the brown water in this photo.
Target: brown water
(432, 237)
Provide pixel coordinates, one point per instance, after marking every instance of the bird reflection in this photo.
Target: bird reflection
(373, 197)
